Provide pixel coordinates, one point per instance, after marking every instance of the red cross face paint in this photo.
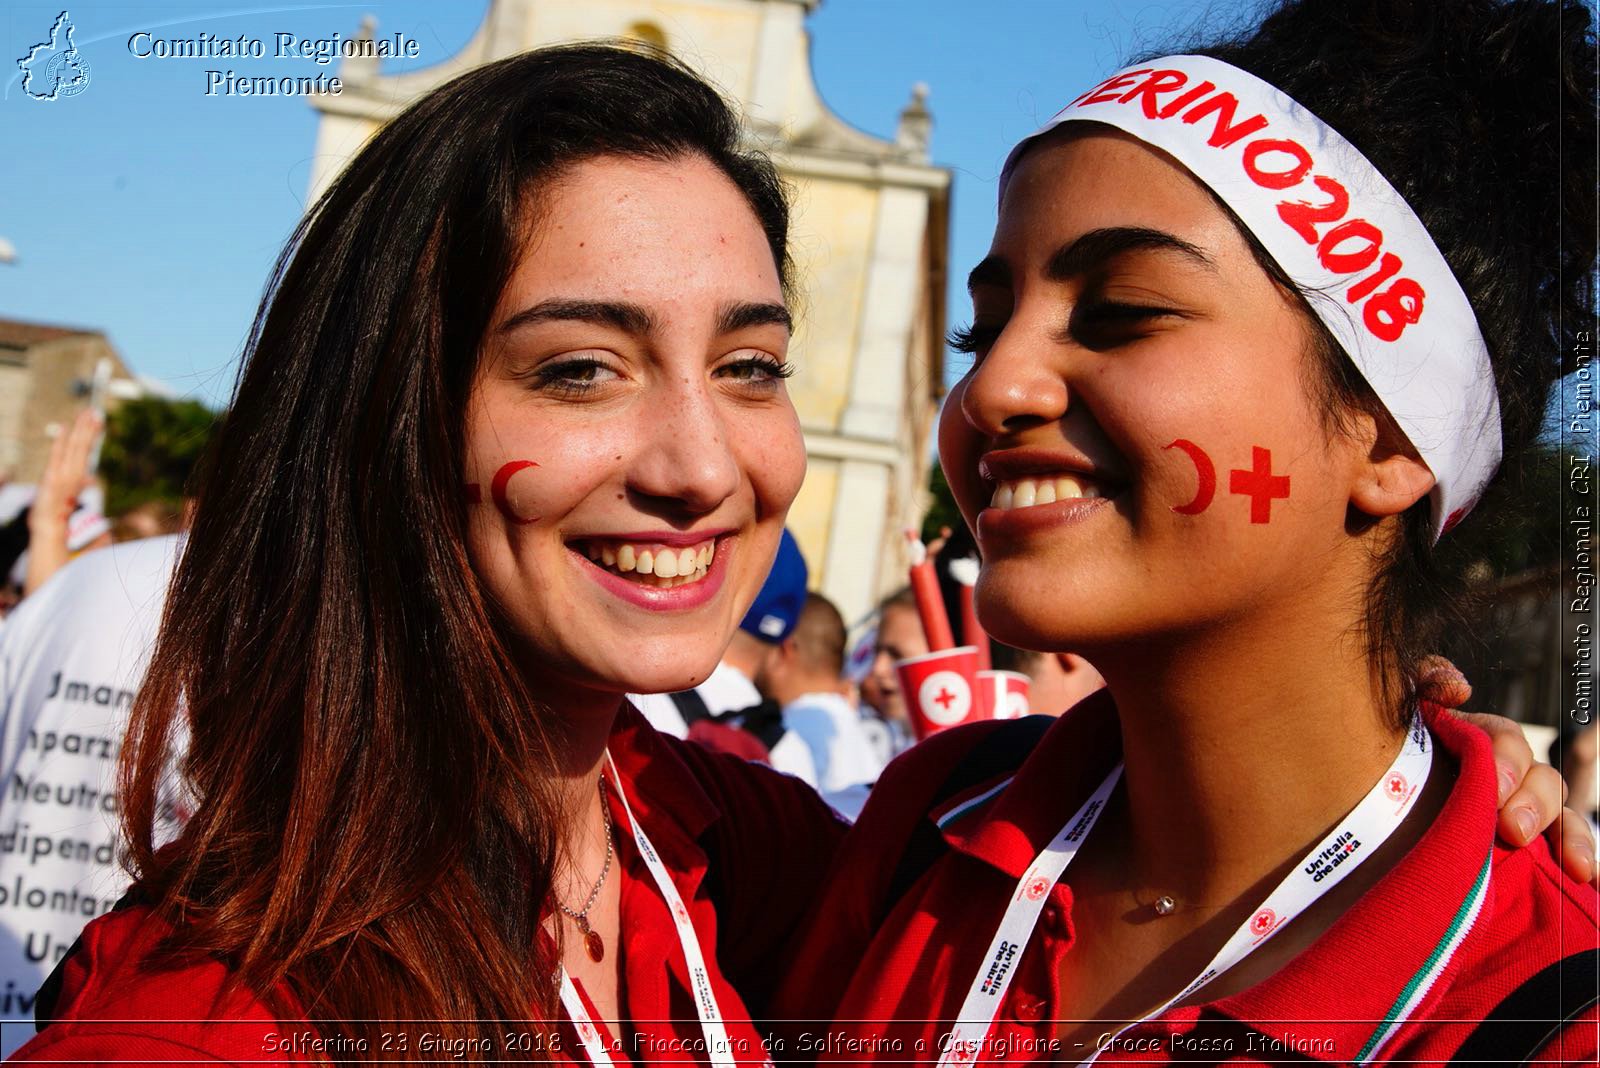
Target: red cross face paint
(630, 444)
(1123, 445)
(1260, 485)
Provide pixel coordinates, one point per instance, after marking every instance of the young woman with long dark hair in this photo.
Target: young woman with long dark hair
(1263, 366)
(511, 440)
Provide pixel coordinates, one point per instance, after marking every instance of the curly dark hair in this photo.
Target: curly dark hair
(1482, 114)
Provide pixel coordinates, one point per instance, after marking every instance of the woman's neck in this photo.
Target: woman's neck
(1241, 748)
(584, 719)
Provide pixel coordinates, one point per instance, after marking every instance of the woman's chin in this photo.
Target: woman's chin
(666, 676)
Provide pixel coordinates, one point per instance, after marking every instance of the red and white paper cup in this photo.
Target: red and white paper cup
(1003, 694)
(941, 689)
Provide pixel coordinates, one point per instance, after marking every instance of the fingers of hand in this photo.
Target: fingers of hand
(1441, 682)
(1534, 806)
(1512, 756)
(1573, 839)
(80, 443)
(67, 469)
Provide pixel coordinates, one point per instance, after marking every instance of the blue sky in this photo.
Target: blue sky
(146, 209)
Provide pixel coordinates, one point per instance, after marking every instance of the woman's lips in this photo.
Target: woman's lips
(651, 590)
(1002, 522)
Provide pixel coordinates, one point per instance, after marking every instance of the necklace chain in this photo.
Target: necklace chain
(581, 916)
(1167, 904)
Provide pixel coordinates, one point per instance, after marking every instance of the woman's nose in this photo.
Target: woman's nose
(687, 458)
(1017, 384)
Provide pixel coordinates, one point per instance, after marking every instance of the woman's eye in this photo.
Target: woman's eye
(1107, 324)
(572, 377)
(757, 370)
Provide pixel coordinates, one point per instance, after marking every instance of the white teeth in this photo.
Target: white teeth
(1027, 492)
(658, 566)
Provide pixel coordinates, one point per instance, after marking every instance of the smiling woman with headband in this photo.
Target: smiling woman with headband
(1266, 315)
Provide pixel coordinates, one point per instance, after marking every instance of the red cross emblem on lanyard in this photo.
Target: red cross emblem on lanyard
(1259, 484)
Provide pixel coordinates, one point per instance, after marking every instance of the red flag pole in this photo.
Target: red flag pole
(965, 572)
(930, 603)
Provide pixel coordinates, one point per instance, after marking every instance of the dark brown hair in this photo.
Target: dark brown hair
(1478, 112)
(374, 824)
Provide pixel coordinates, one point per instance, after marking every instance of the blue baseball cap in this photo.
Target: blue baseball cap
(777, 607)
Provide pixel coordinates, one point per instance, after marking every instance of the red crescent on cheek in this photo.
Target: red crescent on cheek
(497, 489)
(1205, 477)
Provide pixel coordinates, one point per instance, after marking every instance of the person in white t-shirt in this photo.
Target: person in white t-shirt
(71, 657)
(803, 674)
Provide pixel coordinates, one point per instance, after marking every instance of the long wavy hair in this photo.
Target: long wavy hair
(374, 827)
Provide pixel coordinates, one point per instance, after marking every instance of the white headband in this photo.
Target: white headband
(1337, 228)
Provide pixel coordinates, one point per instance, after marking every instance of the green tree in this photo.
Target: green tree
(942, 511)
(151, 446)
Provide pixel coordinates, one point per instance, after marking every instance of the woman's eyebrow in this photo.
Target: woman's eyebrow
(620, 314)
(742, 314)
(1095, 247)
(991, 271)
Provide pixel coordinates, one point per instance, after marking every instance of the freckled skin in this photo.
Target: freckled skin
(663, 436)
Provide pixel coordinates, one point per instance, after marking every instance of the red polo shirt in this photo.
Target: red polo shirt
(746, 848)
(1402, 976)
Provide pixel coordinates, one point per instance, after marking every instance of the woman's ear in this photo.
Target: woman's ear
(1392, 477)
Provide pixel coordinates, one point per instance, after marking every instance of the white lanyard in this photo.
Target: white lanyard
(1356, 837)
(719, 1048)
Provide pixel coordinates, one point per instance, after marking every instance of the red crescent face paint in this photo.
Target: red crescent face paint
(498, 490)
(1205, 477)
(502, 480)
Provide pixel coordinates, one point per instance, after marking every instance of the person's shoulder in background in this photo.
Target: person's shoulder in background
(115, 999)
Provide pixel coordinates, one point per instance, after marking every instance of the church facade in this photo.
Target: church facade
(870, 240)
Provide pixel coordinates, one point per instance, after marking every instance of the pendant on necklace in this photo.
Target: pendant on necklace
(1165, 906)
(591, 940)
